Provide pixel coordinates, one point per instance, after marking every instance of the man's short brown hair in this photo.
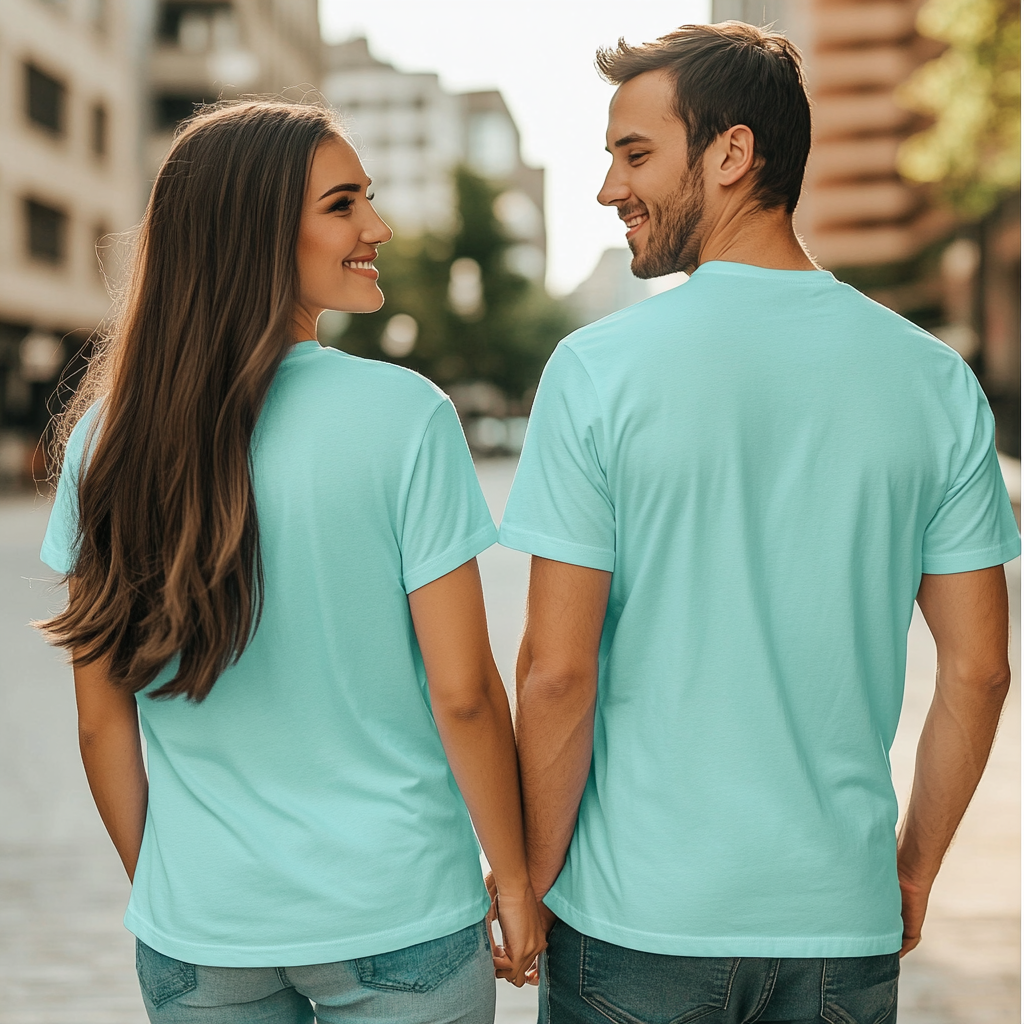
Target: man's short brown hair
(730, 74)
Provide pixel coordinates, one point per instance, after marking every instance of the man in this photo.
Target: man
(733, 493)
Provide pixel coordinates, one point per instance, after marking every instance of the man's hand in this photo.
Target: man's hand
(915, 904)
(522, 937)
(547, 921)
(547, 917)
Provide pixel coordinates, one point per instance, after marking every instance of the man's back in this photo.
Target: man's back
(766, 462)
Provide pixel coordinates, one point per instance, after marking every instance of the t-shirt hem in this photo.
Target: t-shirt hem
(305, 953)
(555, 549)
(724, 945)
(970, 561)
(451, 559)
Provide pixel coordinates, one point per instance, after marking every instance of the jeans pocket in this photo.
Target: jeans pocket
(162, 977)
(860, 989)
(423, 967)
(631, 987)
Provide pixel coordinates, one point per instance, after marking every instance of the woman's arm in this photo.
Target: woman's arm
(108, 736)
(472, 715)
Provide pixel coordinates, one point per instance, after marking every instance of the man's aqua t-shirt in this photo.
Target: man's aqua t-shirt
(766, 461)
(305, 812)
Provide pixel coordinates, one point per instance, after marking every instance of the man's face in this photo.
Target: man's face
(650, 181)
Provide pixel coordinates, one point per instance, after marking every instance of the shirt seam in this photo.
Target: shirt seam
(565, 905)
(466, 542)
(513, 530)
(983, 553)
(605, 454)
(133, 918)
(407, 482)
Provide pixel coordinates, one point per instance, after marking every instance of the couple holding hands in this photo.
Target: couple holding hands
(733, 494)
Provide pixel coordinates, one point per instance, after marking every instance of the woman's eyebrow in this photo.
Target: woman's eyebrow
(347, 187)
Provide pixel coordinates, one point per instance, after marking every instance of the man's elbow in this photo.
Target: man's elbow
(997, 683)
(988, 683)
(557, 686)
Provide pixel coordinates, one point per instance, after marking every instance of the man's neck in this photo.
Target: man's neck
(760, 238)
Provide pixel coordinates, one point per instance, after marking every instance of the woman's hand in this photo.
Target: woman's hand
(547, 922)
(523, 937)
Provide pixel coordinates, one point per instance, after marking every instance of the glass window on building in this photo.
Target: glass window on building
(194, 25)
(98, 129)
(171, 110)
(491, 144)
(46, 99)
(47, 229)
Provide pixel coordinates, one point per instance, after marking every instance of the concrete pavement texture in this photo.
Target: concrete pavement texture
(65, 957)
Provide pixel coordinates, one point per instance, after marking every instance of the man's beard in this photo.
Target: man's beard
(673, 242)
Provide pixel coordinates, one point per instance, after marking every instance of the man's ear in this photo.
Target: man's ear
(732, 155)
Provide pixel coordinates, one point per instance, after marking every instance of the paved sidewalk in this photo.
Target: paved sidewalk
(66, 959)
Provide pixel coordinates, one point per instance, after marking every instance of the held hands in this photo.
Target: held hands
(523, 934)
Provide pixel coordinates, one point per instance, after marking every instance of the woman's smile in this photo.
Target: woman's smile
(363, 266)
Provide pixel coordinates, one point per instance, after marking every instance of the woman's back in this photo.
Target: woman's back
(304, 812)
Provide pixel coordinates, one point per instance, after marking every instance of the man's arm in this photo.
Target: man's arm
(968, 616)
(556, 692)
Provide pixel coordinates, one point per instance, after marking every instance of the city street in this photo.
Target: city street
(65, 958)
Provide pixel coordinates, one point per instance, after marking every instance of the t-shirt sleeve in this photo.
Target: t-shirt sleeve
(445, 521)
(60, 542)
(973, 528)
(560, 506)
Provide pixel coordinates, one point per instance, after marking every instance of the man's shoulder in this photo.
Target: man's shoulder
(605, 337)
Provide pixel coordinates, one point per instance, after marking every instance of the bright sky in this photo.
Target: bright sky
(539, 54)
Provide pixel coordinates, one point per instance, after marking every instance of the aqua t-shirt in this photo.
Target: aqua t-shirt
(766, 462)
(305, 811)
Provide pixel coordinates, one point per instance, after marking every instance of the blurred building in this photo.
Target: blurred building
(69, 177)
(611, 286)
(411, 133)
(92, 91)
(205, 50)
(856, 210)
(860, 219)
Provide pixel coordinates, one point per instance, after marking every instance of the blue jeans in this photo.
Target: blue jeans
(587, 981)
(443, 981)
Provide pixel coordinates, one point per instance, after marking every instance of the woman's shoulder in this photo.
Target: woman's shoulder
(84, 432)
(384, 384)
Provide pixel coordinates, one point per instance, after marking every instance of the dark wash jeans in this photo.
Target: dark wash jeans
(587, 981)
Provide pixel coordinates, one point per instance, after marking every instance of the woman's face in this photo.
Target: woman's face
(338, 237)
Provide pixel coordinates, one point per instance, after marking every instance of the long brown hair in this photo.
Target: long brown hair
(168, 553)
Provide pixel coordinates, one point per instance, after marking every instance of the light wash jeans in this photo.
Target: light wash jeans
(445, 981)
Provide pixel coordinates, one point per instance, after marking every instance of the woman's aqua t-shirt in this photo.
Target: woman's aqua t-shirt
(305, 811)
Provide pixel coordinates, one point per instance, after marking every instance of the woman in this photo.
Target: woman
(270, 549)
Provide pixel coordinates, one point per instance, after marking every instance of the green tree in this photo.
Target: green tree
(504, 337)
(971, 151)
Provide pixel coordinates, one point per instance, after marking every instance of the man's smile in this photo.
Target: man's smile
(634, 222)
